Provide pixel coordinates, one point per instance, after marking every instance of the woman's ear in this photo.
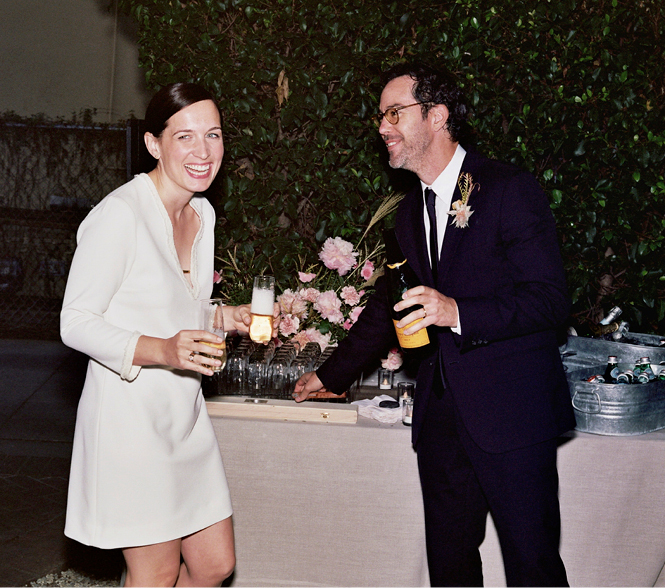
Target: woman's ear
(152, 144)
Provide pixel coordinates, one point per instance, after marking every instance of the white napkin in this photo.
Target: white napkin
(371, 409)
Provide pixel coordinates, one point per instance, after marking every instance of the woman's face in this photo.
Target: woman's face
(190, 148)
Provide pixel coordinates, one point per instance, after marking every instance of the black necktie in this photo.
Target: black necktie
(430, 198)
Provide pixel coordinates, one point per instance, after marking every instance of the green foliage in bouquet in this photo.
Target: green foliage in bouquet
(573, 91)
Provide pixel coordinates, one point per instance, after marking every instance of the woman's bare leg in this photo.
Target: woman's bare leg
(153, 565)
(209, 555)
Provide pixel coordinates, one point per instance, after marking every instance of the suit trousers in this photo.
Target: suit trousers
(461, 484)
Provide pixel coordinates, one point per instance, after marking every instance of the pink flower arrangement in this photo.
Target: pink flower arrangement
(328, 301)
(319, 303)
(216, 277)
(393, 361)
(331, 302)
(338, 254)
(331, 306)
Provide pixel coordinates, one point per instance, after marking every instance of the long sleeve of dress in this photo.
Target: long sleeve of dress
(106, 250)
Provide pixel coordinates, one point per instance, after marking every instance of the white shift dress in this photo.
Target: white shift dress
(146, 466)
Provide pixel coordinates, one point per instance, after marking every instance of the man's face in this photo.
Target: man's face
(409, 140)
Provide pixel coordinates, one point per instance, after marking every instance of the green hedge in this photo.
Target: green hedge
(573, 91)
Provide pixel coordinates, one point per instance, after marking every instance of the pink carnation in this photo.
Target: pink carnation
(309, 294)
(304, 278)
(312, 334)
(368, 270)
(216, 277)
(288, 325)
(393, 361)
(350, 295)
(292, 303)
(338, 254)
(328, 306)
(353, 317)
(301, 338)
(355, 313)
(317, 337)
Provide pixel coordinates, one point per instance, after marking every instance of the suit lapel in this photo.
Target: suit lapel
(454, 235)
(410, 228)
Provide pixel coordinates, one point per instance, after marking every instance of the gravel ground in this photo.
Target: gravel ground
(74, 578)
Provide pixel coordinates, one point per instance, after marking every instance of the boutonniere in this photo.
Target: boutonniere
(461, 211)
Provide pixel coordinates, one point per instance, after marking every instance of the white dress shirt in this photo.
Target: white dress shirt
(444, 187)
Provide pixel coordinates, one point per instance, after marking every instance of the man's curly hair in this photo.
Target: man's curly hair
(435, 86)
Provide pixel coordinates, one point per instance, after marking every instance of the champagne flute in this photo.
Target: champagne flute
(212, 320)
(263, 302)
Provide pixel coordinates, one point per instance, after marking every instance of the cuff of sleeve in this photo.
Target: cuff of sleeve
(458, 329)
(129, 371)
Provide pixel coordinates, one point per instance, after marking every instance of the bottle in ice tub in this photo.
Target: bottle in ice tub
(642, 369)
(612, 370)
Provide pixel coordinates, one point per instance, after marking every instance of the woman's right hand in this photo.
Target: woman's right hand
(182, 351)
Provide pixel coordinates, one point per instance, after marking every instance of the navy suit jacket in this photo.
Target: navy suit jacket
(504, 270)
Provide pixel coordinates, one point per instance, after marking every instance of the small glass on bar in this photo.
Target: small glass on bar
(405, 390)
(212, 320)
(263, 302)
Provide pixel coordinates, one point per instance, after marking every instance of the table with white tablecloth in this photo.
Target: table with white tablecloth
(323, 504)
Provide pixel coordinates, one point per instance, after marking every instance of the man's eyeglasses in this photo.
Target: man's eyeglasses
(392, 114)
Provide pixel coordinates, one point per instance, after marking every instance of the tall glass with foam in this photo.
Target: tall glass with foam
(263, 302)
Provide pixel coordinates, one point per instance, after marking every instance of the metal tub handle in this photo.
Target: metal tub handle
(576, 407)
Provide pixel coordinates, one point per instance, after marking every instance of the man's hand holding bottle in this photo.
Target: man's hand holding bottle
(432, 307)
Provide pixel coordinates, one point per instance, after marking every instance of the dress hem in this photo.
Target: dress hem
(115, 542)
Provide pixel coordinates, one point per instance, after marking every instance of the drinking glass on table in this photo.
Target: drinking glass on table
(405, 390)
(212, 320)
(263, 302)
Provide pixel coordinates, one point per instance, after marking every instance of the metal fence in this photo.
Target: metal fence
(51, 175)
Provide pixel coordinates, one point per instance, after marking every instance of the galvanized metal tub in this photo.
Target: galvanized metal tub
(616, 409)
(585, 352)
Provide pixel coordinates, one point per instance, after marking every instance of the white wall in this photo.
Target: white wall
(58, 57)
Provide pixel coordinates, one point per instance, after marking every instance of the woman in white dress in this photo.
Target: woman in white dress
(147, 475)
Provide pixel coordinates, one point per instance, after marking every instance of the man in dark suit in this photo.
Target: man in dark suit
(491, 395)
